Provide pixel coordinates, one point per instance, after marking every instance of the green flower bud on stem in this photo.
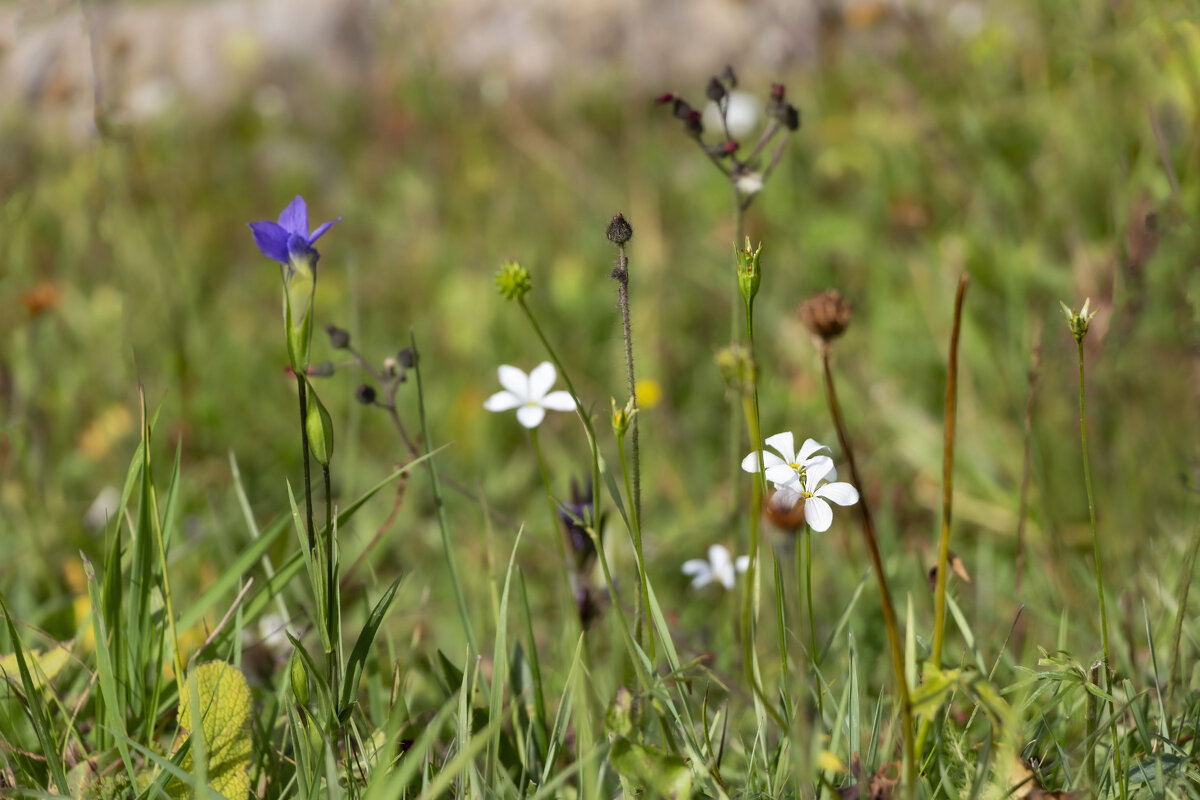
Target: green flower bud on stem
(513, 281)
(1078, 323)
(320, 428)
(749, 274)
(299, 286)
(621, 417)
(299, 679)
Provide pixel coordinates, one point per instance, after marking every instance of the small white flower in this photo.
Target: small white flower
(749, 183)
(529, 394)
(718, 567)
(817, 495)
(787, 467)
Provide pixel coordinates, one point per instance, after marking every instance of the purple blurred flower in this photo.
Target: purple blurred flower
(288, 241)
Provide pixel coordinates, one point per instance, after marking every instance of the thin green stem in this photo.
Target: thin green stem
(750, 604)
(440, 506)
(1087, 480)
(633, 488)
(302, 386)
(814, 653)
(333, 620)
(939, 616)
(885, 595)
(643, 606)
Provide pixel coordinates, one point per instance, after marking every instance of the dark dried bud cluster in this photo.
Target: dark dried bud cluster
(619, 230)
(715, 90)
(338, 339)
(365, 394)
(826, 314)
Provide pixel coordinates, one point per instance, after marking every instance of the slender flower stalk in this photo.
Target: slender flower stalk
(1078, 325)
(939, 616)
(619, 233)
(749, 278)
(885, 595)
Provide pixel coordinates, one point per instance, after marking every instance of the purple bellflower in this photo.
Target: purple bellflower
(290, 243)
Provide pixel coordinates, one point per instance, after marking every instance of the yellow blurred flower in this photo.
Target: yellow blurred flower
(648, 392)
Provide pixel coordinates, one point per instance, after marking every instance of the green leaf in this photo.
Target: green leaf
(224, 702)
(362, 647)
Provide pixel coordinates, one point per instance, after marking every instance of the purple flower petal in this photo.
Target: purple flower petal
(298, 248)
(294, 218)
(319, 232)
(271, 239)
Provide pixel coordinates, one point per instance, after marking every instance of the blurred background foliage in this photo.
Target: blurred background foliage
(1051, 152)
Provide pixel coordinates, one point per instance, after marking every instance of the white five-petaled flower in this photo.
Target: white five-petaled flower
(817, 492)
(719, 567)
(529, 394)
(789, 464)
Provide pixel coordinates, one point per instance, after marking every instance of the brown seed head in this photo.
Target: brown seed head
(825, 314)
(784, 510)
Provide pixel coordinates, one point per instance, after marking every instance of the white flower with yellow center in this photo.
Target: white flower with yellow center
(789, 465)
(529, 394)
(817, 492)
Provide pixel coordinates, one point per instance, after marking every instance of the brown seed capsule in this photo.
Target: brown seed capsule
(785, 510)
(825, 314)
(619, 231)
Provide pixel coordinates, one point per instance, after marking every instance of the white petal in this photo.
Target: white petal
(700, 581)
(818, 514)
(821, 463)
(815, 474)
(784, 443)
(531, 416)
(725, 574)
(780, 473)
(558, 401)
(750, 462)
(809, 447)
(695, 566)
(541, 379)
(742, 563)
(502, 401)
(718, 556)
(515, 381)
(841, 493)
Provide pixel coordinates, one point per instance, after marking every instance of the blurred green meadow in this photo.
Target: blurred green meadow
(1052, 156)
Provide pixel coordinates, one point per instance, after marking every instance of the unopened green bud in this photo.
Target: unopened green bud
(320, 428)
(513, 281)
(748, 271)
(1078, 323)
(299, 679)
(299, 286)
(621, 417)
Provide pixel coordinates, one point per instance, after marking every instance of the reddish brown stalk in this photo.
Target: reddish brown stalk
(885, 595)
